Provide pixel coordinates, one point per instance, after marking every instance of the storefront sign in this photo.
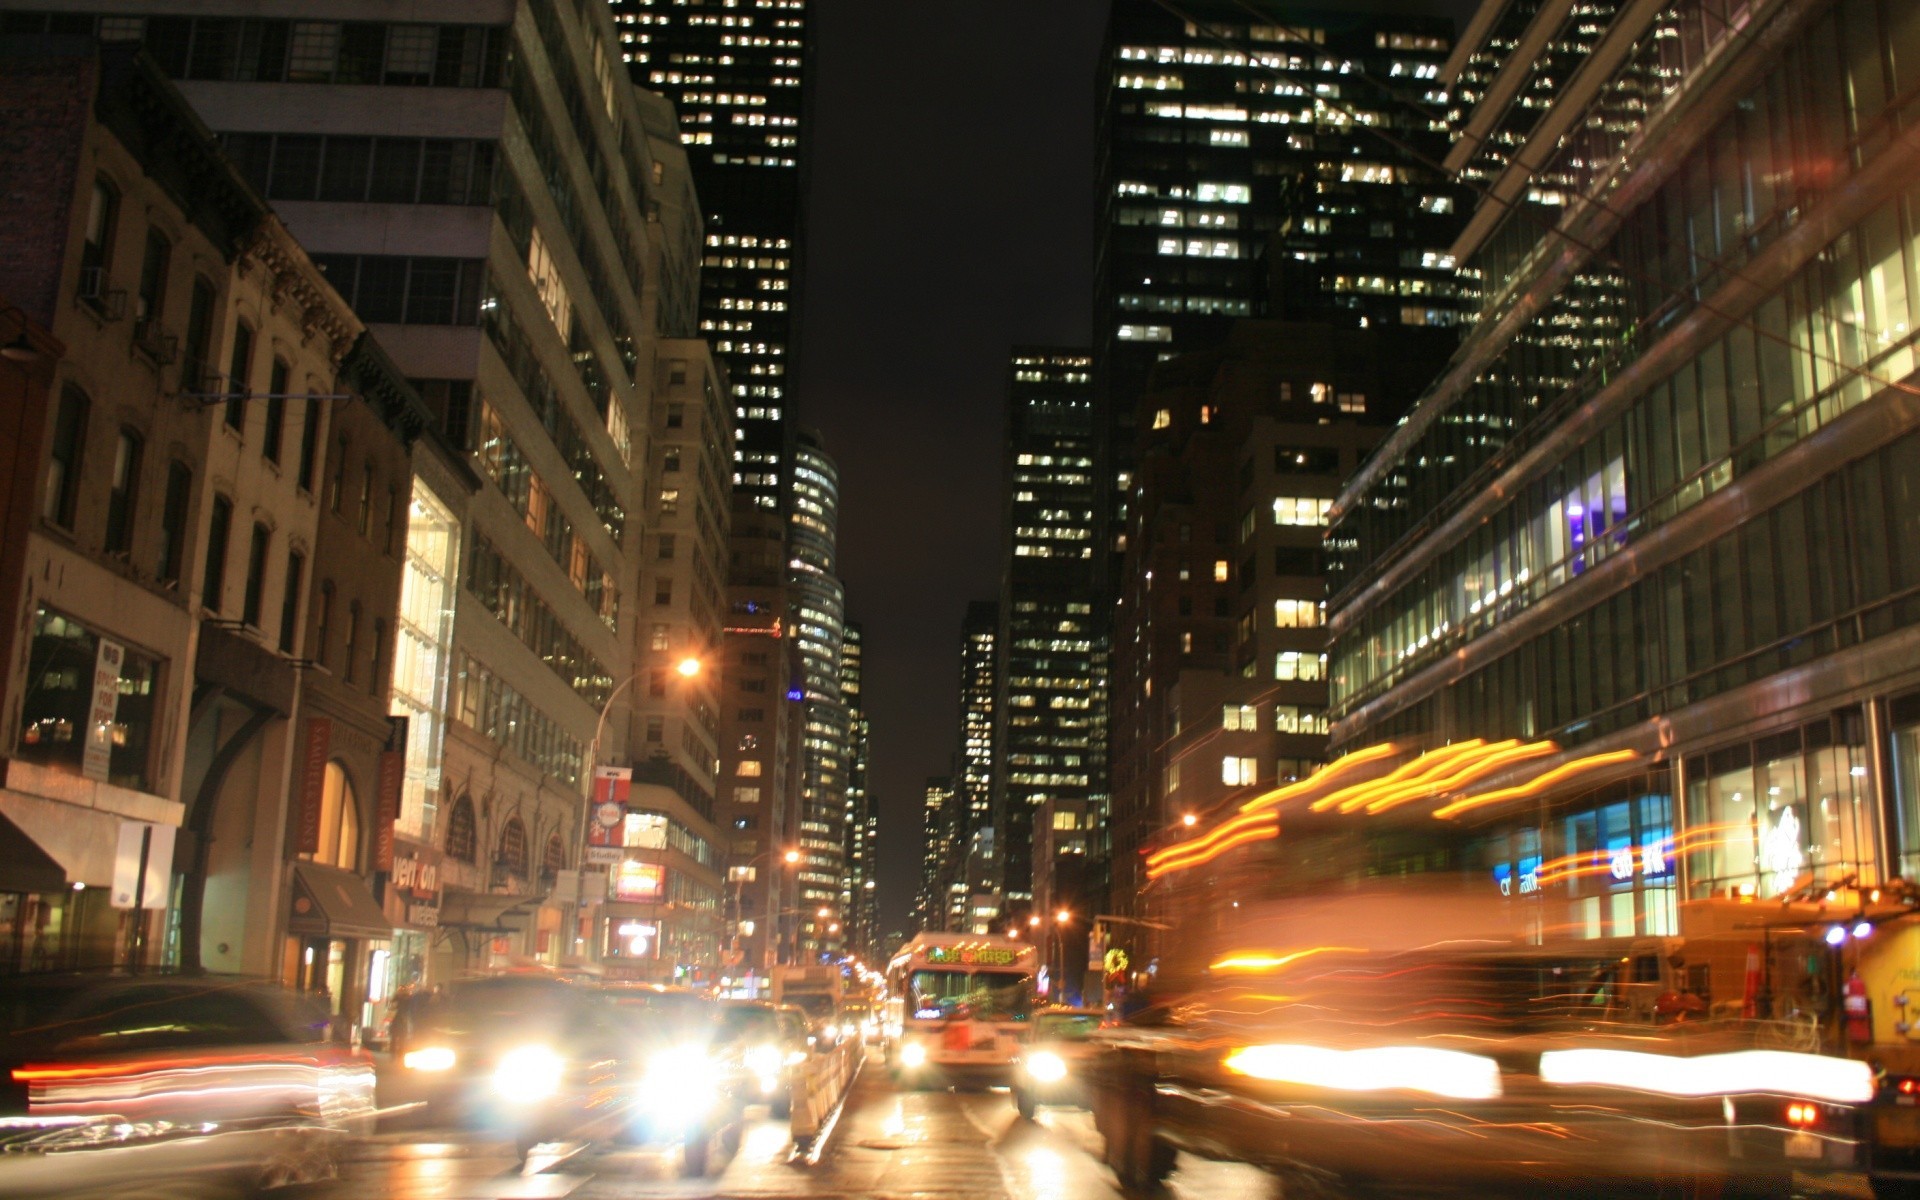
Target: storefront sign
(313, 781)
(608, 810)
(639, 881)
(1781, 856)
(975, 956)
(416, 881)
(97, 755)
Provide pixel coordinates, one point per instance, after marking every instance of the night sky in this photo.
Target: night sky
(949, 218)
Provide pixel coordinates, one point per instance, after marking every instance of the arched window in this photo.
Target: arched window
(462, 835)
(555, 859)
(513, 848)
(339, 821)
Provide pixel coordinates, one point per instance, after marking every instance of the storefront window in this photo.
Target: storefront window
(67, 676)
(1786, 811)
(422, 654)
(339, 821)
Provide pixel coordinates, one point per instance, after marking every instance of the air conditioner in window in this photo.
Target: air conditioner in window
(92, 291)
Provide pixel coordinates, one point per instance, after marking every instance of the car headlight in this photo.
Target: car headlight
(428, 1058)
(683, 1080)
(1044, 1066)
(529, 1073)
(765, 1060)
(913, 1054)
(849, 1029)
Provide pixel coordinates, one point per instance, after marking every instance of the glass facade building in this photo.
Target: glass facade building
(1661, 500)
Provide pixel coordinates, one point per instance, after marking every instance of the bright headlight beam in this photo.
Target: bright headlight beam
(428, 1058)
(913, 1054)
(1738, 1072)
(529, 1073)
(1046, 1067)
(1451, 1073)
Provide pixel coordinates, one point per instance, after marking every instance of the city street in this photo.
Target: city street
(890, 1143)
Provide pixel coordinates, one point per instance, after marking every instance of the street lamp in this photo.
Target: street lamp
(1056, 947)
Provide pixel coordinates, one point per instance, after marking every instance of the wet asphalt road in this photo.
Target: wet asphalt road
(889, 1145)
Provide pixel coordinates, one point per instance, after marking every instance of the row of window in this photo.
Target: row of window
(407, 290)
(506, 593)
(507, 465)
(229, 49)
(492, 708)
(387, 170)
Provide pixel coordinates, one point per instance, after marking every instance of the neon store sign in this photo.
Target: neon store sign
(975, 956)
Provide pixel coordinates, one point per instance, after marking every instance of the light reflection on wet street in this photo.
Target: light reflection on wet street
(889, 1145)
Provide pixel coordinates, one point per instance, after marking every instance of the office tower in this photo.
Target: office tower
(736, 72)
(1247, 167)
(860, 897)
(479, 189)
(1219, 666)
(1046, 672)
(817, 606)
(979, 639)
(1649, 522)
(935, 854)
(762, 726)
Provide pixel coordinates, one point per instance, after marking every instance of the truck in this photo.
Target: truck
(816, 990)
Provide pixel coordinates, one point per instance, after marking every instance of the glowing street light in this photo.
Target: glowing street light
(792, 856)
(1063, 916)
(1189, 820)
(688, 667)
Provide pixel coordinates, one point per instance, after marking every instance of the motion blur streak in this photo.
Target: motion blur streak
(1501, 756)
(1783, 1072)
(1325, 775)
(1538, 783)
(1432, 775)
(1253, 827)
(1406, 772)
(1256, 960)
(1451, 1073)
(219, 1090)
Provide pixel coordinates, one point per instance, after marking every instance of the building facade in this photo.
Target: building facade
(737, 73)
(1048, 678)
(860, 899)
(817, 608)
(1653, 518)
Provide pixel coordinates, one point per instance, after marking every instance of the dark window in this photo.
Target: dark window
(353, 641)
(344, 176)
(173, 521)
(194, 371)
(365, 520)
(322, 624)
(63, 466)
(214, 580)
(337, 482)
(296, 168)
(153, 285)
(256, 576)
(310, 442)
(239, 377)
(380, 289)
(378, 655)
(123, 491)
(54, 719)
(394, 523)
(463, 836)
(396, 170)
(276, 430)
(290, 600)
(96, 253)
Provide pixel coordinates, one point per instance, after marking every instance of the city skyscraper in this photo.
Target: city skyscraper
(736, 71)
(1047, 681)
(817, 607)
(860, 898)
(973, 801)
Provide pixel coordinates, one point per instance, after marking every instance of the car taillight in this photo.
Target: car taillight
(1803, 1115)
(1908, 1087)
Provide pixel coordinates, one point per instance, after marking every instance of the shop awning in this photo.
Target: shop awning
(24, 866)
(330, 902)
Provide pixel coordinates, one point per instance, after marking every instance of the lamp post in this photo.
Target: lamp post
(687, 667)
(1057, 943)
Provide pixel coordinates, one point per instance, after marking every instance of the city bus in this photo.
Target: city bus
(958, 1007)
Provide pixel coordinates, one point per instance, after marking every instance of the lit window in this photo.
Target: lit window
(1296, 614)
(1240, 718)
(1293, 510)
(1220, 570)
(1294, 664)
(1238, 772)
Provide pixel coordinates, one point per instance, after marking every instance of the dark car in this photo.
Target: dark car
(687, 1076)
(775, 1047)
(110, 1081)
(1053, 1061)
(530, 1057)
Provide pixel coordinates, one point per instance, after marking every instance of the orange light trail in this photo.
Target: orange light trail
(1252, 827)
(1493, 758)
(1324, 775)
(1405, 773)
(1538, 783)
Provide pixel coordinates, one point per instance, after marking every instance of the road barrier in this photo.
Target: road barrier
(817, 1094)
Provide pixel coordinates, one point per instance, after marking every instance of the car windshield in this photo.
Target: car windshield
(975, 995)
(817, 1005)
(749, 1021)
